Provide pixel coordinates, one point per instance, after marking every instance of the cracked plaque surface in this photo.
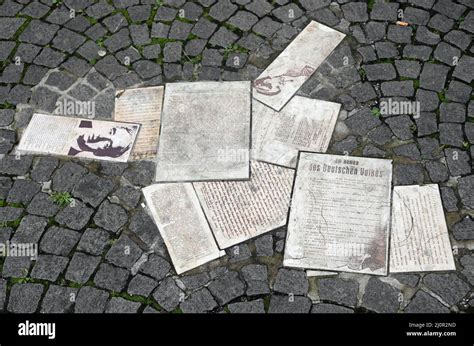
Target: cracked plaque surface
(304, 124)
(286, 74)
(240, 210)
(340, 212)
(205, 132)
(419, 238)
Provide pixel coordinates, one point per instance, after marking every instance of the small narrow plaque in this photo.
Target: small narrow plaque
(240, 210)
(182, 224)
(143, 106)
(340, 212)
(82, 138)
(205, 132)
(419, 240)
(304, 124)
(320, 273)
(287, 73)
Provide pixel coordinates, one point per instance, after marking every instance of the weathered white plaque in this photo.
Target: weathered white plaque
(340, 214)
(205, 132)
(182, 224)
(287, 73)
(76, 137)
(304, 124)
(143, 106)
(240, 210)
(320, 273)
(419, 239)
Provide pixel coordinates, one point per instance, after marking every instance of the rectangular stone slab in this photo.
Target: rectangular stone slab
(340, 214)
(320, 273)
(143, 106)
(205, 132)
(419, 240)
(81, 138)
(240, 210)
(182, 224)
(304, 124)
(286, 74)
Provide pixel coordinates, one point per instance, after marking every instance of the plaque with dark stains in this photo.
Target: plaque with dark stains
(205, 132)
(81, 138)
(340, 214)
(419, 240)
(288, 72)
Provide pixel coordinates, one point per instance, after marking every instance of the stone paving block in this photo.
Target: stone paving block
(111, 278)
(464, 229)
(291, 281)
(227, 287)
(448, 286)
(141, 285)
(58, 299)
(24, 298)
(285, 304)
(90, 300)
(324, 308)
(75, 216)
(93, 241)
(156, 267)
(118, 305)
(422, 302)
(59, 241)
(81, 267)
(338, 290)
(30, 230)
(251, 307)
(199, 302)
(49, 267)
(168, 295)
(124, 252)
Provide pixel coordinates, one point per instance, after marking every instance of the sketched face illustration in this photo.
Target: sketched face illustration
(114, 143)
(272, 85)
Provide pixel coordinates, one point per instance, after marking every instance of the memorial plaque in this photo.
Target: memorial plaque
(340, 213)
(182, 224)
(287, 73)
(240, 210)
(76, 137)
(205, 132)
(143, 106)
(419, 238)
(304, 124)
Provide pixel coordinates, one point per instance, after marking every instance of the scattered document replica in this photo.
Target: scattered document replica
(143, 106)
(75, 137)
(419, 239)
(182, 224)
(190, 215)
(205, 132)
(304, 124)
(340, 214)
(240, 210)
(287, 73)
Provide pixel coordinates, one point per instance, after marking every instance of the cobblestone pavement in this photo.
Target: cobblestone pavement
(105, 251)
